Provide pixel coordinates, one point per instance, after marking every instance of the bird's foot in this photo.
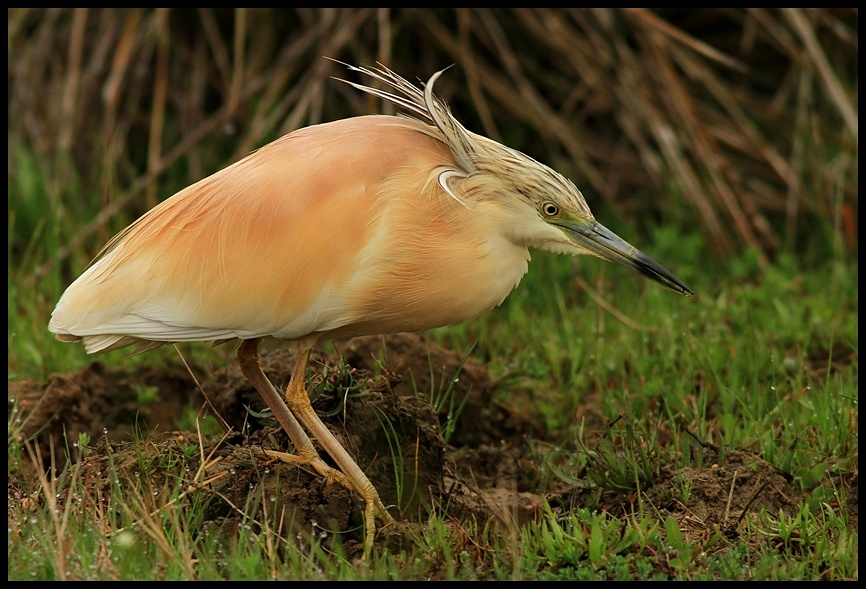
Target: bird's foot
(330, 474)
(373, 505)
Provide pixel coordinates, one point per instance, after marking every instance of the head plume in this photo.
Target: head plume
(481, 162)
(427, 106)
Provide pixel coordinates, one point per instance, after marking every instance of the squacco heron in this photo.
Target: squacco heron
(368, 225)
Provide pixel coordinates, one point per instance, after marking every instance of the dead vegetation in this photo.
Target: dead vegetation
(750, 114)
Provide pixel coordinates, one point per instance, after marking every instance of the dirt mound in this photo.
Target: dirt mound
(385, 399)
(392, 403)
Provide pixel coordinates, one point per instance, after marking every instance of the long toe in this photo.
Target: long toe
(330, 474)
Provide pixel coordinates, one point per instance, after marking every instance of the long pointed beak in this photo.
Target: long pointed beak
(607, 245)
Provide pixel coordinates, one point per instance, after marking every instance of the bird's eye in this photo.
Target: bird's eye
(549, 209)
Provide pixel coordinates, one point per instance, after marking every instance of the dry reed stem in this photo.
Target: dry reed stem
(750, 115)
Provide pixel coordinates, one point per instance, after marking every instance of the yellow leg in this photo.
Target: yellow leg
(248, 356)
(299, 405)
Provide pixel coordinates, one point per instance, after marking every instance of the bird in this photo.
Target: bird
(368, 225)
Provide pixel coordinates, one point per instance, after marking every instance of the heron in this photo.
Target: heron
(368, 225)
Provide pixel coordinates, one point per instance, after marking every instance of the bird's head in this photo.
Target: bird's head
(541, 207)
(549, 212)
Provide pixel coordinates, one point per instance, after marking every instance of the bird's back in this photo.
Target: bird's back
(338, 229)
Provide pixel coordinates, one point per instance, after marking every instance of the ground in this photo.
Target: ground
(377, 400)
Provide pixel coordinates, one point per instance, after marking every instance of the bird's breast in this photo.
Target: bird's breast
(429, 262)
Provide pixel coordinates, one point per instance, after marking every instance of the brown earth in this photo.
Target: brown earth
(376, 402)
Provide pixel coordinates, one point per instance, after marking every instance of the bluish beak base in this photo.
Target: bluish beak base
(607, 245)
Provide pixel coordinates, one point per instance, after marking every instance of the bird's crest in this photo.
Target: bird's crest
(473, 153)
(426, 105)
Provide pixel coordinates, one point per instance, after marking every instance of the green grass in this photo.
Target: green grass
(91, 536)
(760, 360)
(764, 360)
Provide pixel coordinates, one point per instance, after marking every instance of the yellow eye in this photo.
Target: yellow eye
(549, 209)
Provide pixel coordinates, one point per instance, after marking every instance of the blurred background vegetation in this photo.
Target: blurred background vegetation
(750, 114)
(740, 125)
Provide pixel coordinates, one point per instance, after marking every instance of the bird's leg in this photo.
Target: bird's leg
(248, 356)
(299, 404)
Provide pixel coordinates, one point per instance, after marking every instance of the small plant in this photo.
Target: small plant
(682, 487)
(83, 444)
(622, 459)
(444, 399)
(146, 395)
